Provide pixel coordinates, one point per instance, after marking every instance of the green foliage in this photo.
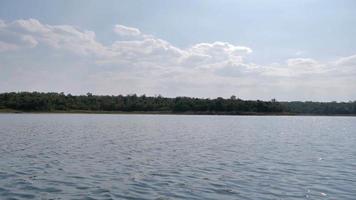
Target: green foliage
(329, 108)
(36, 101)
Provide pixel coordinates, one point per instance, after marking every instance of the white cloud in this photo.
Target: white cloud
(211, 53)
(142, 63)
(346, 66)
(347, 61)
(126, 31)
(149, 49)
(29, 41)
(31, 32)
(301, 62)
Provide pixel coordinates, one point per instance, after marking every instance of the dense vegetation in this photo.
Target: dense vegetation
(47, 102)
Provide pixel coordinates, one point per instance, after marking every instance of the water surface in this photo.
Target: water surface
(89, 156)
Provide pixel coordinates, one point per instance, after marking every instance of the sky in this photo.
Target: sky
(257, 49)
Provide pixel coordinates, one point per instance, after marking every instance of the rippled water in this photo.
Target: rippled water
(78, 156)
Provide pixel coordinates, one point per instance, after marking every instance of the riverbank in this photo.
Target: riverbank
(60, 102)
(166, 113)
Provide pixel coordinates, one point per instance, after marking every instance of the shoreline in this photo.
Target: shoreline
(9, 111)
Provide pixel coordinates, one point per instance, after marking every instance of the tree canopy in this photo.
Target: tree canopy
(47, 102)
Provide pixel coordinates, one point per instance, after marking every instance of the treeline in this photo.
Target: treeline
(47, 102)
(320, 108)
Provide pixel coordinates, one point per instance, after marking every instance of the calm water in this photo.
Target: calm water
(75, 156)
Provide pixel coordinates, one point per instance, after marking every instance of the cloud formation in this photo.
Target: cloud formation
(29, 33)
(142, 63)
(126, 31)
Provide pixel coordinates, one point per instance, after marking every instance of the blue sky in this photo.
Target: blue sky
(283, 37)
(275, 29)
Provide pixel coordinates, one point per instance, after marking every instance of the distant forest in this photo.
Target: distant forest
(60, 102)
